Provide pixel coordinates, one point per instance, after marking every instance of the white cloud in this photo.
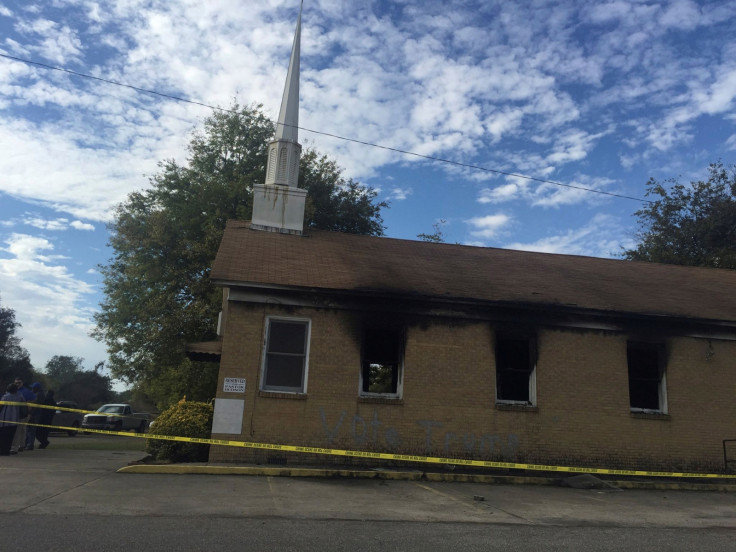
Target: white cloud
(488, 226)
(720, 95)
(501, 193)
(49, 302)
(731, 143)
(5, 11)
(43, 224)
(681, 14)
(400, 194)
(58, 43)
(546, 194)
(601, 237)
(79, 225)
(83, 181)
(576, 191)
(26, 248)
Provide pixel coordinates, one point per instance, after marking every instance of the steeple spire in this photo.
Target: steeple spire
(278, 205)
(287, 126)
(284, 151)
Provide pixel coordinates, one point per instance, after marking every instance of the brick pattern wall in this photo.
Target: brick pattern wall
(582, 416)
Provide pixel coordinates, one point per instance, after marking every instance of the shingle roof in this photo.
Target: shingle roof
(333, 261)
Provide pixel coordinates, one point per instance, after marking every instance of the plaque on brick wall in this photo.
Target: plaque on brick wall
(228, 417)
(234, 385)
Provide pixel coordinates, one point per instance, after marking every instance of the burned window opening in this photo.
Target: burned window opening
(646, 367)
(285, 358)
(515, 369)
(381, 362)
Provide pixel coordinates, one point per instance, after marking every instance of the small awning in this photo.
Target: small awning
(204, 351)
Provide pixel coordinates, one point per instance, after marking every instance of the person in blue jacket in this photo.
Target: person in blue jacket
(19, 441)
(8, 418)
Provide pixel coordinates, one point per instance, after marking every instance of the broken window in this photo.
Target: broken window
(286, 352)
(516, 369)
(381, 364)
(647, 389)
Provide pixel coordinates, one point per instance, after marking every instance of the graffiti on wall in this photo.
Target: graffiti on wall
(379, 435)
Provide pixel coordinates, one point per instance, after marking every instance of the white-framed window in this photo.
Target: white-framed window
(516, 368)
(286, 354)
(382, 362)
(647, 364)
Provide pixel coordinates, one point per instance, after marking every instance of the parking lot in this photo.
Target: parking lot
(78, 475)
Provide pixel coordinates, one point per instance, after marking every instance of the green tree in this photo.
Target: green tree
(70, 381)
(157, 290)
(438, 236)
(691, 224)
(14, 359)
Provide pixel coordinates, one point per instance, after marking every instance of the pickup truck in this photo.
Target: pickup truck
(116, 417)
(65, 418)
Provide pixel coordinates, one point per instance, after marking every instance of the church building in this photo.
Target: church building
(375, 344)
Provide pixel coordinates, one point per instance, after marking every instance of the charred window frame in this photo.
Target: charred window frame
(647, 364)
(286, 355)
(516, 368)
(382, 360)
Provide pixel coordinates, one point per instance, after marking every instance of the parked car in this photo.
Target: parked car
(116, 417)
(64, 418)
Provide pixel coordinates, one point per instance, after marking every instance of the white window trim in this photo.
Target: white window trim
(264, 353)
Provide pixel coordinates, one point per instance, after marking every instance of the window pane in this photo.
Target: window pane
(380, 378)
(643, 362)
(513, 385)
(513, 354)
(287, 337)
(644, 394)
(284, 371)
(381, 363)
(514, 367)
(645, 374)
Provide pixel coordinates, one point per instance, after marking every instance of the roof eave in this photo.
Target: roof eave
(559, 309)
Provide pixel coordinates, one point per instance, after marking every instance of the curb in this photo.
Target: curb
(412, 475)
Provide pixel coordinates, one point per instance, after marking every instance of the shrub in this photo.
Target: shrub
(184, 419)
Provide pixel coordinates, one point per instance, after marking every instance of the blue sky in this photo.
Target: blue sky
(602, 95)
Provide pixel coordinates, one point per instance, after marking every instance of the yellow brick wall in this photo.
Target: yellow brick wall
(448, 407)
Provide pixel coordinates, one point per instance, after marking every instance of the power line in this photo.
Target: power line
(388, 148)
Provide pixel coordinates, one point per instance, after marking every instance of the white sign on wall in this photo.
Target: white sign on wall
(228, 416)
(234, 385)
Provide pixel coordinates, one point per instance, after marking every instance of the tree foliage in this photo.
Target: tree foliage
(157, 290)
(691, 224)
(70, 381)
(14, 359)
(438, 236)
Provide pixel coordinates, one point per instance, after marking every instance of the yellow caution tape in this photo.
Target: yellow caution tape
(392, 456)
(64, 409)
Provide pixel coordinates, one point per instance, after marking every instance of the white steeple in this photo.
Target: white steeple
(287, 127)
(278, 205)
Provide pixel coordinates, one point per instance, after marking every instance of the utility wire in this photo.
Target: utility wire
(388, 148)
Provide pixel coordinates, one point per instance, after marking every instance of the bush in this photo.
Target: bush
(184, 419)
